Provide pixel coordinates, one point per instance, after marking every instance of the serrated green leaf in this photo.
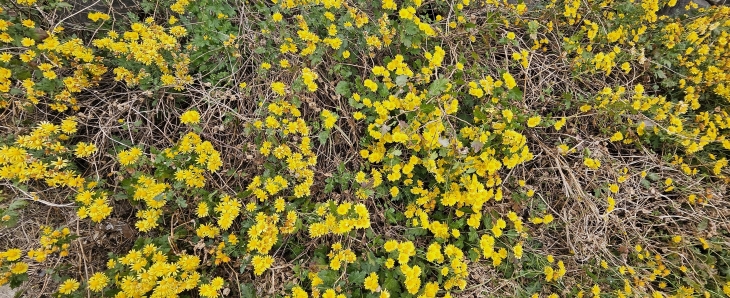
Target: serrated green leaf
(437, 86)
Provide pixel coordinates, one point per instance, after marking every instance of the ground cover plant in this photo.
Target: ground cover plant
(348, 148)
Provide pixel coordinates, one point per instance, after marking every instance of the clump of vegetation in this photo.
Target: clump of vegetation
(365, 149)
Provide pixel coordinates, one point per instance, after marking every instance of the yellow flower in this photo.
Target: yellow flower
(96, 16)
(563, 149)
(547, 219)
(611, 204)
(27, 42)
(83, 149)
(509, 81)
(279, 88)
(626, 67)
(618, 136)
(371, 282)
(128, 157)
(371, 85)
(394, 191)
(705, 244)
(534, 121)
(549, 273)
(28, 23)
(518, 250)
(190, 117)
(280, 205)
(508, 115)
(560, 123)
(19, 268)
(261, 263)
(23, 2)
(5, 57)
(596, 291)
(11, 254)
(613, 187)
(202, 209)
(68, 286)
(211, 290)
(592, 163)
(98, 281)
(391, 245)
(277, 17)
(329, 119)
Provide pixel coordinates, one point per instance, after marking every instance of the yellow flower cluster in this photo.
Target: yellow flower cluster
(155, 193)
(150, 272)
(261, 263)
(551, 274)
(10, 264)
(228, 209)
(148, 190)
(339, 219)
(338, 256)
(51, 241)
(205, 156)
(210, 290)
(5, 75)
(309, 77)
(190, 117)
(148, 44)
(130, 156)
(286, 118)
(18, 164)
(25, 161)
(52, 57)
(455, 271)
(263, 235)
(371, 282)
(693, 133)
(409, 13)
(98, 282)
(329, 119)
(96, 16)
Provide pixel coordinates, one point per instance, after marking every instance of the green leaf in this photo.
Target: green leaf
(357, 277)
(181, 202)
(247, 291)
(427, 108)
(391, 283)
(437, 87)
(323, 136)
(329, 276)
(401, 80)
(17, 204)
(343, 88)
(703, 225)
